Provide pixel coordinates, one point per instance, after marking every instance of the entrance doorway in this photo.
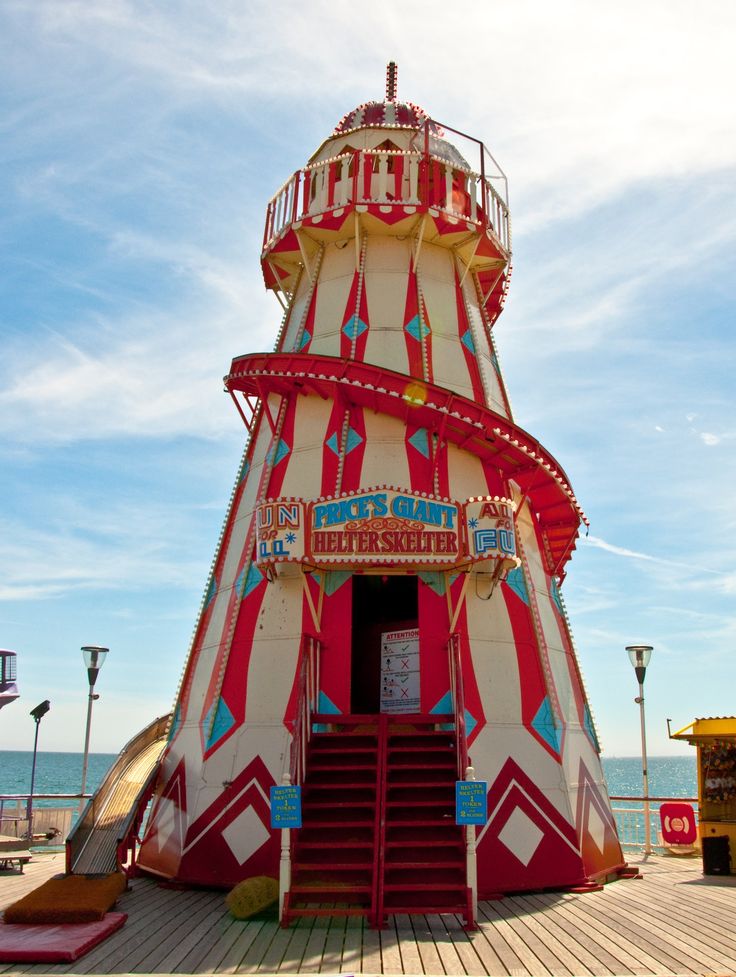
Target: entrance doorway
(380, 603)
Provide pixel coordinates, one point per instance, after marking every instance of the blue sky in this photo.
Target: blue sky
(140, 144)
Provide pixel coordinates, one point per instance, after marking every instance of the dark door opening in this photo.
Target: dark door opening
(380, 603)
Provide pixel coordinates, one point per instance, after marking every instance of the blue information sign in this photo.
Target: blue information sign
(286, 807)
(470, 802)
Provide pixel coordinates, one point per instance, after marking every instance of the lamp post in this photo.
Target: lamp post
(94, 658)
(639, 656)
(38, 713)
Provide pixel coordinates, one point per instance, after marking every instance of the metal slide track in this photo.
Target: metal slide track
(109, 824)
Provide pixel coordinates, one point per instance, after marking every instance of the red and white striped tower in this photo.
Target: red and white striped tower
(386, 489)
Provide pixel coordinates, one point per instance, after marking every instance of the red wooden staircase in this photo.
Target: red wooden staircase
(378, 815)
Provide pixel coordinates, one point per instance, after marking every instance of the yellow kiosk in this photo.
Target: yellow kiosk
(715, 740)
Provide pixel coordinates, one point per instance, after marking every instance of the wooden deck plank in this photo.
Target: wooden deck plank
(238, 949)
(371, 960)
(273, 955)
(299, 932)
(352, 951)
(251, 962)
(626, 957)
(550, 934)
(390, 953)
(208, 955)
(431, 961)
(411, 961)
(464, 947)
(528, 930)
(451, 960)
(314, 949)
(598, 961)
(688, 950)
(496, 912)
(672, 921)
(334, 941)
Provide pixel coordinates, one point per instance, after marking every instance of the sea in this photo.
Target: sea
(61, 773)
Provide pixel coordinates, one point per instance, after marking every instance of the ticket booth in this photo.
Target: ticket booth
(715, 740)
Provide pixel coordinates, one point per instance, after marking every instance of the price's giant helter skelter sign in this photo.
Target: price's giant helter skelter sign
(384, 526)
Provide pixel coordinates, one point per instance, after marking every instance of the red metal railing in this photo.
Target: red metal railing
(386, 177)
(458, 704)
(306, 706)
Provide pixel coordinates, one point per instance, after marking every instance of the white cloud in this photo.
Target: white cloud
(710, 439)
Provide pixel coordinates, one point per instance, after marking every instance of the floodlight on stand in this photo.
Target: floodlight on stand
(38, 713)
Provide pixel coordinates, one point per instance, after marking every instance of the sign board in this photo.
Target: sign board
(386, 525)
(490, 525)
(400, 671)
(280, 530)
(471, 805)
(286, 807)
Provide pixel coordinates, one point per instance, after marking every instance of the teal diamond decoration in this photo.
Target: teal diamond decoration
(332, 444)
(248, 580)
(353, 440)
(494, 360)
(554, 592)
(435, 580)
(417, 329)
(333, 580)
(515, 580)
(590, 729)
(467, 340)
(175, 722)
(211, 591)
(223, 723)
(354, 327)
(324, 705)
(544, 724)
(244, 471)
(444, 706)
(420, 441)
(277, 455)
(306, 339)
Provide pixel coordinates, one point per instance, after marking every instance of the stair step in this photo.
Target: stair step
(427, 887)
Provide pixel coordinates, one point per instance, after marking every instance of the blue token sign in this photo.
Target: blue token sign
(286, 807)
(470, 802)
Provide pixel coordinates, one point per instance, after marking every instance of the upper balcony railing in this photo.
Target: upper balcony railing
(388, 177)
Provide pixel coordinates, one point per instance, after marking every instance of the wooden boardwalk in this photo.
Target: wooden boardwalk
(672, 921)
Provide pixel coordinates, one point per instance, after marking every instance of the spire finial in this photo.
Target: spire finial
(392, 73)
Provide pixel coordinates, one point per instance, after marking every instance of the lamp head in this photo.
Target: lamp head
(41, 709)
(639, 656)
(94, 658)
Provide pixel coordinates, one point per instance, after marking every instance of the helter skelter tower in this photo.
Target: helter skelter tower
(385, 597)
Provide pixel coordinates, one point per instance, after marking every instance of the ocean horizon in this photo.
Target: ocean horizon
(61, 773)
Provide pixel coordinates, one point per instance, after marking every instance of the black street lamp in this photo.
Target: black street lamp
(639, 656)
(94, 657)
(38, 713)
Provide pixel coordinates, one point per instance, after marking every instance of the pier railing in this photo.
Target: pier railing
(386, 177)
(629, 815)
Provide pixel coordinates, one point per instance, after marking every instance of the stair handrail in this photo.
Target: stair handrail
(306, 706)
(464, 772)
(457, 692)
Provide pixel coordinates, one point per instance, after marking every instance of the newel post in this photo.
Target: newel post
(470, 857)
(285, 863)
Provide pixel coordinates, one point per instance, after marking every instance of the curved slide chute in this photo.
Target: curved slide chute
(105, 836)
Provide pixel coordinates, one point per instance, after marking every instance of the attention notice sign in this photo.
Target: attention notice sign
(400, 671)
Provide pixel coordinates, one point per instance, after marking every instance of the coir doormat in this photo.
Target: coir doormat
(54, 943)
(68, 899)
